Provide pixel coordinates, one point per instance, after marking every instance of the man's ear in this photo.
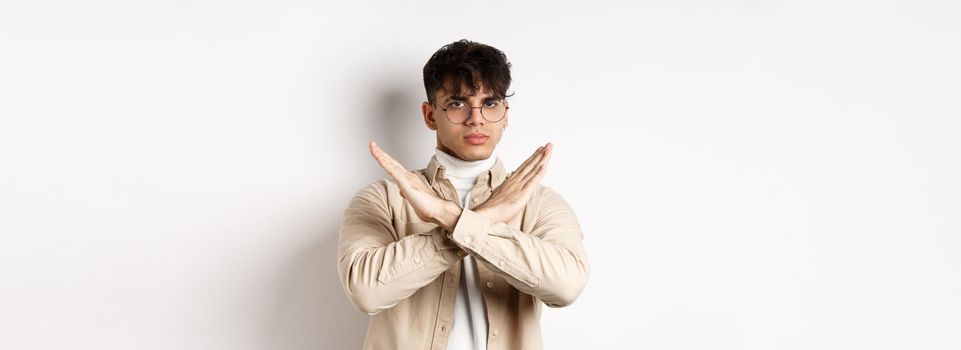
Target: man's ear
(428, 112)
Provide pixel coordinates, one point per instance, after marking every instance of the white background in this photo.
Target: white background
(748, 174)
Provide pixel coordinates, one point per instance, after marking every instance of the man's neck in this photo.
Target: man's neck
(456, 167)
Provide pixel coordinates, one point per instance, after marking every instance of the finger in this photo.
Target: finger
(526, 168)
(548, 151)
(535, 179)
(535, 160)
(529, 159)
(541, 165)
(387, 162)
(541, 170)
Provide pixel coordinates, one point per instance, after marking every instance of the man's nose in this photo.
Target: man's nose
(474, 117)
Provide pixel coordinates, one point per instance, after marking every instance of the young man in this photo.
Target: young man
(461, 254)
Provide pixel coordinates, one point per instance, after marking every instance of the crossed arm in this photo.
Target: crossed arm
(378, 268)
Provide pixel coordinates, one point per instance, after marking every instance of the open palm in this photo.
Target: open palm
(426, 203)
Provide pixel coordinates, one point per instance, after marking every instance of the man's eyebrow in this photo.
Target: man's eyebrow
(462, 98)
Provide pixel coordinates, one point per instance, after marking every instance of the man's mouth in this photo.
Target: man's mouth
(476, 138)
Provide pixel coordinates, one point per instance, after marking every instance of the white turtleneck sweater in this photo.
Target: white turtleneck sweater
(469, 331)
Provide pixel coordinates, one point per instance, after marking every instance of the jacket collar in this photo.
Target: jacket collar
(494, 177)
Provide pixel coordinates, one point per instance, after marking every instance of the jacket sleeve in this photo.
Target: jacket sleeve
(378, 269)
(549, 262)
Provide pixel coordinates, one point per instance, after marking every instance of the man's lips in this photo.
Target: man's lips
(476, 138)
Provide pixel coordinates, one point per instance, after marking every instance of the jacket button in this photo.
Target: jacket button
(475, 200)
(500, 263)
(495, 332)
(490, 284)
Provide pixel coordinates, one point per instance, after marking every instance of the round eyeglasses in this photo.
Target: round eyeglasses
(458, 112)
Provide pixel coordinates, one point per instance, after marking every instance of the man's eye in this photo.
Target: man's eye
(455, 104)
(491, 104)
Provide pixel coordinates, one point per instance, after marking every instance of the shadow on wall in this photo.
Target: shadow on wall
(396, 120)
(312, 311)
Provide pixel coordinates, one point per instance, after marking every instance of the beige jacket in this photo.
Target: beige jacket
(404, 272)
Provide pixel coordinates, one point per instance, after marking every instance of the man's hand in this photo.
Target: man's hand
(512, 196)
(427, 205)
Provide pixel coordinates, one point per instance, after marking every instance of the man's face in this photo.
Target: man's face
(476, 138)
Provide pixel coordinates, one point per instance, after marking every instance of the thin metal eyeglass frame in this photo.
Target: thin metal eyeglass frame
(506, 107)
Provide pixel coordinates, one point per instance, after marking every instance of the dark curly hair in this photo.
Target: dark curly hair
(465, 63)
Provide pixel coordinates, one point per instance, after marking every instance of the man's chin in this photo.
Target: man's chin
(473, 155)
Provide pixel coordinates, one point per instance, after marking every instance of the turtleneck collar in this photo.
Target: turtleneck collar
(459, 168)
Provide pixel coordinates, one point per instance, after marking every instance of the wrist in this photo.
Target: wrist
(488, 212)
(448, 216)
